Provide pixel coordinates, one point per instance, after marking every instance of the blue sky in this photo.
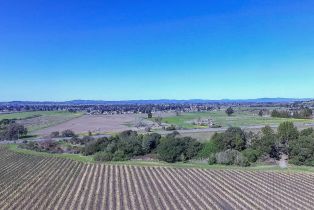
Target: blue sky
(118, 50)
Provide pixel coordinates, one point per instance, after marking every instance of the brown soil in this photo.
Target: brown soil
(96, 124)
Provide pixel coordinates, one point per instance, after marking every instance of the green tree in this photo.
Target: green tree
(174, 149)
(251, 154)
(268, 143)
(234, 138)
(229, 111)
(150, 142)
(302, 151)
(307, 132)
(12, 131)
(210, 147)
(287, 133)
(218, 141)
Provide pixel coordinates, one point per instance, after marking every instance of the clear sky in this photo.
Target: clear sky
(174, 49)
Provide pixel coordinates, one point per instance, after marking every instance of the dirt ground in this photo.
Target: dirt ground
(118, 123)
(96, 124)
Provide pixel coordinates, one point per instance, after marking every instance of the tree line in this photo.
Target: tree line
(236, 147)
(303, 113)
(10, 130)
(130, 144)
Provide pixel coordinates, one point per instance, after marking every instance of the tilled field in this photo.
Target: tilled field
(33, 182)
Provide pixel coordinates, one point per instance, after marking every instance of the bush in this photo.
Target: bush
(193, 149)
(287, 132)
(234, 138)
(171, 128)
(119, 156)
(231, 157)
(302, 151)
(229, 111)
(209, 148)
(68, 133)
(12, 131)
(218, 140)
(55, 134)
(212, 159)
(173, 149)
(251, 154)
(170, 150)
(150, 142)
(103, 156)
(95, 146)
(267, 144)
(307, 132)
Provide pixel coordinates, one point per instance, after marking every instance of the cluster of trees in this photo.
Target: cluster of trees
(227, 148)
(229, 111)
(114, 107)
(50, 146)
(130, 144)
(65, 133)
(121, 147)
(235, 146)
(10, 130)
(304, 113)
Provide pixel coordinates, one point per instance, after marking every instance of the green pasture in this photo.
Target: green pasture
(36, 120)
(239, 118)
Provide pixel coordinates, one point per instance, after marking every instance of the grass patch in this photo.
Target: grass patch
(41, 119)
(76, 157)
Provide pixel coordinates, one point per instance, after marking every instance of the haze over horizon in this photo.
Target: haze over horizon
(119, 50)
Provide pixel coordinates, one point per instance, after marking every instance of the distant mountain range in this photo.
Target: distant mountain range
(164, 101)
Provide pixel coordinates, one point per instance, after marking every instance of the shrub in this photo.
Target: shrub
(307, 132)
(173, 134)
(68, 133)
(267, 143)
(103, 156)
(12, 131)
(212, 159)
(193, 148)
(148, 129)
(95, 146)
(251, 154)
(229, 111)
(171, 128)
(234, 138)
(119, 156)
(173, 149)
(209, 148)
(150, 142)
(55, 134)
(218, 140)
(231, 157)
(287, 132)
(302, 151)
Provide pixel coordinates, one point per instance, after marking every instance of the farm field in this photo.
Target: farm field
(95, 124)
(34, 182)
(238, 119)
(40, 119)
